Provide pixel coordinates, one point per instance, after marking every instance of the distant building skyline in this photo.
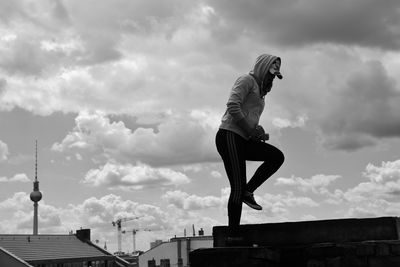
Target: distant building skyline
(175, 251)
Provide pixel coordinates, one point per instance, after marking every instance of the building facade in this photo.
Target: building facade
(174, 252)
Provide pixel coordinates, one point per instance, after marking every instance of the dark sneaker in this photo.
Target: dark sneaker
(249, 200)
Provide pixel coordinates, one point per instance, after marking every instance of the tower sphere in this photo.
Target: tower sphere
(36, 196)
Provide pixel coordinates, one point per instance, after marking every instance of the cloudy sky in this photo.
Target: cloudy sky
(125, 98)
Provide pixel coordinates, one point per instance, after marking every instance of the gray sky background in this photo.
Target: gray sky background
(125, 98)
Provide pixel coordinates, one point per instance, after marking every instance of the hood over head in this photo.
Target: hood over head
(263, 64)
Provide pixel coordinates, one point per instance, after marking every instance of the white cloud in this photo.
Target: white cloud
(376, 197)
(94, 213)
(276, 208)
(101, 211)
(192, 167)
(373, 208)
(129, 177)
(78, 156)
(49, 219)
(308, 218)
(97, 214)
(19, 208)
(19, 201)
(66, 47)
(388, 171)
(183, 200)
(3, 151)
(178, 139)
(20, 177)
(287, 200)
(146, 58)
(216, 174)
(384, 184)
(130, 61)
(280, 123)
(317, 183)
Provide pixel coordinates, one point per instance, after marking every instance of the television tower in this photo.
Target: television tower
(36, 196)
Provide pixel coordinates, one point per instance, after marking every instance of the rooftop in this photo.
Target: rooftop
(49, 247)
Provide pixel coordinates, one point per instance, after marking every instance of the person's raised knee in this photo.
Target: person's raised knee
(280, 158)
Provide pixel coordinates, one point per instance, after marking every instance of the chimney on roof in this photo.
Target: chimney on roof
(83, 234)
(201, 232)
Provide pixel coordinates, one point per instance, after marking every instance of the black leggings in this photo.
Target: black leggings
(235, 150)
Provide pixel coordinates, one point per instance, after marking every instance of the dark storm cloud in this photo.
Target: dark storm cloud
(367, 109)
(45, 14)
(59, 11)
(348, 142)
(81, 33)
(8, 9)
(26, 58)
(124, 17)
(365, 23)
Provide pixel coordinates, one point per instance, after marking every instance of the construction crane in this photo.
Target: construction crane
(134, 231)
(118, 223)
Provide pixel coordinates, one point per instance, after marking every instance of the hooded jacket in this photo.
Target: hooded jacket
(246, 100)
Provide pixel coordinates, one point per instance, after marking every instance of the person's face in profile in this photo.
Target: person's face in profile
(270, 76)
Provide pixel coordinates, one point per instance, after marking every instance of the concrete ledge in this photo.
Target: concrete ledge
(383, 253)
(311, 232)
(234, 257)
(356, 254)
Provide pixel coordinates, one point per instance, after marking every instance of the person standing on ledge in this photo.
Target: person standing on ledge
(241, 138)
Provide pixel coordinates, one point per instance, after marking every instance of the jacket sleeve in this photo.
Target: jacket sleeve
(239, 92)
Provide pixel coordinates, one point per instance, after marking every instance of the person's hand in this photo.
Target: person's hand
(259, 134)
(264, 137)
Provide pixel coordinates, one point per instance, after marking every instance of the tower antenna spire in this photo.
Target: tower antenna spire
(36, 161)
(36, 196)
